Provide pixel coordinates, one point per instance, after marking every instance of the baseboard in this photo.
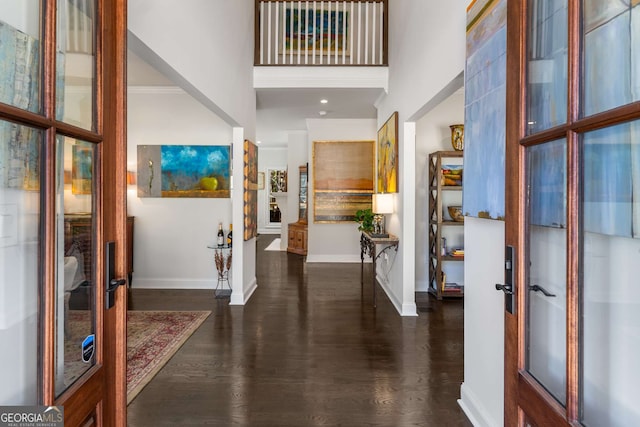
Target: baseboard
(335, 258)
(474, 411)
(241, 299)
(269, 231)
(406, 309)
(173, 283)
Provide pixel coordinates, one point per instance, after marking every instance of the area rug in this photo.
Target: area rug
(153, 337)
(274, 246)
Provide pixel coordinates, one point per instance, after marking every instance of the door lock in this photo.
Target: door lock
(112, 283)
(509, 275)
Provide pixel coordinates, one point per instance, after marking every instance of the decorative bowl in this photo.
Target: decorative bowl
(456, 213)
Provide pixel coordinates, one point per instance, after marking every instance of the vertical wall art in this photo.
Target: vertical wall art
(250, 190)
(193, 171)
(485, 109)
(388, 156)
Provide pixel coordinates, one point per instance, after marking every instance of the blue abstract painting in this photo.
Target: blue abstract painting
(485, 110)
(184, 171)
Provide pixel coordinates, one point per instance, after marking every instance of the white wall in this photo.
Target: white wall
(483, 388)
(427, 53)
(171, 235)
(270, 158)
(208, 43)
(432, 134)
(334, 242)
(206, 47)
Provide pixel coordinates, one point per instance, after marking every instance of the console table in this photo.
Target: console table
(369, 246)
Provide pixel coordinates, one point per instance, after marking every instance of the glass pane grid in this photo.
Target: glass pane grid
(611, 38)
(610, 295)
(547, 82)
(546, 255)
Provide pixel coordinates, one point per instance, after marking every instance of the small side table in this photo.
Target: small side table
(368, 246)
(222, 257)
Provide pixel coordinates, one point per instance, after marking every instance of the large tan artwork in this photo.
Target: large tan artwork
(343, 179)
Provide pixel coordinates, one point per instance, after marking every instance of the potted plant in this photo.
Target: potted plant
(365, 218)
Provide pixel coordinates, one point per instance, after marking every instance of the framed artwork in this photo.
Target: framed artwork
(388, 156)
(81, 168)
(186, 171)
(250, 186)
(307, 29)
(343, 178)
(485, 109)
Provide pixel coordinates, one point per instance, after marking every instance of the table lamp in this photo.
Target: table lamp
(382, 204)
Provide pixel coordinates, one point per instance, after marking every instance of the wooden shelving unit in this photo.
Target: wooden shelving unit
(438, 222)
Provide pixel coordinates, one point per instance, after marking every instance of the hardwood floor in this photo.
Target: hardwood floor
(307, 350)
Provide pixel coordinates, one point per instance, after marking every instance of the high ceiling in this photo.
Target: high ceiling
(280, 110)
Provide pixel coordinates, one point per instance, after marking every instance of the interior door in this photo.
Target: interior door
(62, 146)
(572, 216)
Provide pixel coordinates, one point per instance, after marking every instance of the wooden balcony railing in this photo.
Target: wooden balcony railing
(309, 33)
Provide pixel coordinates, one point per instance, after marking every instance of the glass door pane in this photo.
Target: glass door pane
(20, 159)
(547, 64)
(21, 54)
(76, 62)
(611, 295)
(546, 251)
(611, 35)
(75, 320)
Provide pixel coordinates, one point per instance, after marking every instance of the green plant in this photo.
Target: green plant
(365, 218)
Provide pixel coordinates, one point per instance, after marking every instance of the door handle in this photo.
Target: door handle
(507, 289)
(538, 288)
(509, 280)
(112, 283)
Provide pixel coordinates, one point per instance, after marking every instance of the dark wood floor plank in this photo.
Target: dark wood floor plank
(308, 349)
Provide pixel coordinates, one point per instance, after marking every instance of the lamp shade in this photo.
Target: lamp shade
(382, 203)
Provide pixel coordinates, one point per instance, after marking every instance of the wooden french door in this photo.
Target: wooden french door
(62, 182)
(572, 214)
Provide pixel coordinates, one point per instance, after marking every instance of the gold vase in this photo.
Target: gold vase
(457, 137)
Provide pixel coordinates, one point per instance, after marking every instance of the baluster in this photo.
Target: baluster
(373, 33)
(269, 34)
(366, 33)
(353, 35)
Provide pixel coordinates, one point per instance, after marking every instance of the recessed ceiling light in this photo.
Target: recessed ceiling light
(322, 113)
(323, 101)
(259, 142)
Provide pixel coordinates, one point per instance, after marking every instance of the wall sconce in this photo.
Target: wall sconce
(382, 204)
(131, 178)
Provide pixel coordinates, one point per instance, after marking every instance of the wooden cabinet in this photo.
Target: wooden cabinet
(446, 235)
(297, 237)
(78, 232)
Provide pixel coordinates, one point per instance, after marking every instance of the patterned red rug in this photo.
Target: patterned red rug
(153, 337)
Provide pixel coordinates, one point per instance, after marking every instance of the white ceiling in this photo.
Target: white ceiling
(283, 110)
(279, 110)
